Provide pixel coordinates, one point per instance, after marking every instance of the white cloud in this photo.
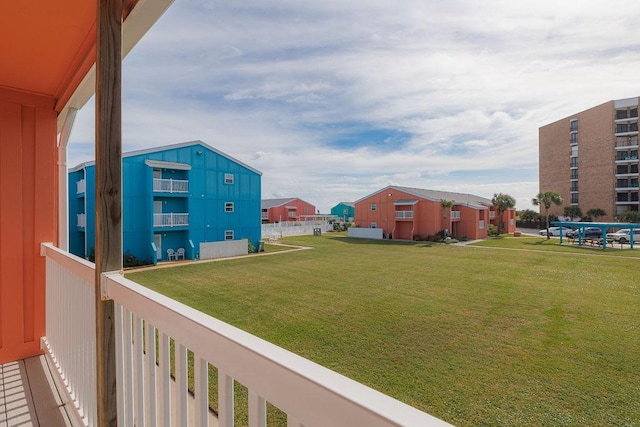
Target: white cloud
(281, 85)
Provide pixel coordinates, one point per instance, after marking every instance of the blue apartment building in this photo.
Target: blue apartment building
(345, 211)
(174, 198)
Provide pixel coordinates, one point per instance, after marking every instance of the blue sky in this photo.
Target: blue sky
(333, 100)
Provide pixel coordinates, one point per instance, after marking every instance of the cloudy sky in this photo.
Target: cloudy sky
(333, 100)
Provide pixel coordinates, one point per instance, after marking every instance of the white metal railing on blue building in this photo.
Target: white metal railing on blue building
(81, 186)
(170, 219)
(306, 392)
(404, 214)
(170, 185)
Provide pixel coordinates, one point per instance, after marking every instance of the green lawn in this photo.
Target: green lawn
(473, 335)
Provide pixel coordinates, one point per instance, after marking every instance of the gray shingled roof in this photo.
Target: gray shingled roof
(269, 203)
(464, 199)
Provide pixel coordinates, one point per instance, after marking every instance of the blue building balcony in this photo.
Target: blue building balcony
(180, 186)
(170, 219)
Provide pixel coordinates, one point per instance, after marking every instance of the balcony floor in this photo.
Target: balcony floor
(28, 396)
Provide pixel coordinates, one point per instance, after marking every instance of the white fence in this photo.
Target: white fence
(228, 248)
(81, 186)
(70, 320)
(170, 219)
(309, 394)
(292, 229)
(365, 233)
(404, 214)
(170, 185)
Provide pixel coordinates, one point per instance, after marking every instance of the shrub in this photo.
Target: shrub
(130, 260)
(492, 230)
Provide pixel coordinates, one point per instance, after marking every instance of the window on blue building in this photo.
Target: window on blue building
(228, 235)
(228, 178)
(228, 206)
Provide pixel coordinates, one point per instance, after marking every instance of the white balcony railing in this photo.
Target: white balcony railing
(70, 343)
(170, 219)
(404, 214)
(300, 388)
(170, 185)
(81, 186)
(82, 220)
(455, 214)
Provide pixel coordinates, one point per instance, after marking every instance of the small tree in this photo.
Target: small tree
(546, 199)
(528, 215)
(573, 212)
(595, 213)
(630, 216)
(502, 202)
(446, 204)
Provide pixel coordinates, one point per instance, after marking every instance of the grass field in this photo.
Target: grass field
(475, 335)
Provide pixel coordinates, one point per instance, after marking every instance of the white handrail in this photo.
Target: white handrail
(70, 341)
(270, 373)
(300, 388)
(404, 214)
(170, 219)
(81, 186)
(170, 185)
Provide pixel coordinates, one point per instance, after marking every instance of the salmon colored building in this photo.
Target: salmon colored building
(408, 213)
(292, 209)
(47, 52)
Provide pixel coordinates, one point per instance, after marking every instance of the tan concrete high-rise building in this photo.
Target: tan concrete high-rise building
(591, 158)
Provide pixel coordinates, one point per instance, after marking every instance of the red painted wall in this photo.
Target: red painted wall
(281, 213)
(28, 195)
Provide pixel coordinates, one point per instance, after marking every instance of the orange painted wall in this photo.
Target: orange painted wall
(427, 215)
(28, 195)
(281, 213)
(509, 219)
(428, 219)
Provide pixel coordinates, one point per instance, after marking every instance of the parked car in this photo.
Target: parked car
(623, 235)
(555, 231)
(589, 233)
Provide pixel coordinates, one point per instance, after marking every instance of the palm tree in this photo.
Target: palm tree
(445, 204)
(573, 212)
(595, 213)
(502, 202)
(546, 199)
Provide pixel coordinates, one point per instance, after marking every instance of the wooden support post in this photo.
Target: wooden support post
(108, 251)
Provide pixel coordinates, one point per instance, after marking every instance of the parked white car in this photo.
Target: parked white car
(623, 235)
(555, 231)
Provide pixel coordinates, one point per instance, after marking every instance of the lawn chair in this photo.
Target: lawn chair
(180, 253)
(171, 254)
